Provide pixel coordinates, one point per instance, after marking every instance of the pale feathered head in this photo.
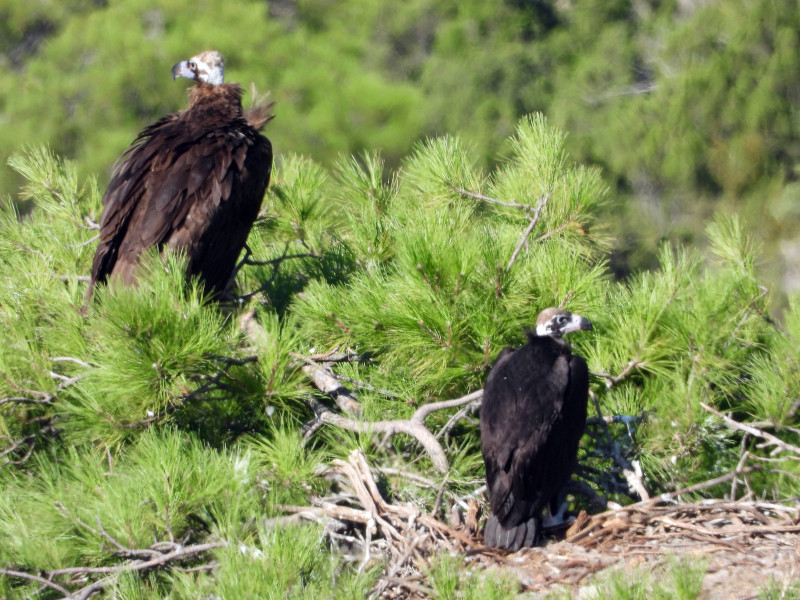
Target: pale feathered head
(207, 66)
(555, 322)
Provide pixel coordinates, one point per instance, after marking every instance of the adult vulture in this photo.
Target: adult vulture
(532, 417)
(193, 180)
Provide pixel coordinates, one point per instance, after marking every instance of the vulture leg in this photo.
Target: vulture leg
(556, 511)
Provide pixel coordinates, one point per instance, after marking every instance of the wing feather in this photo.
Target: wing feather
(171, 188)
(522, 414)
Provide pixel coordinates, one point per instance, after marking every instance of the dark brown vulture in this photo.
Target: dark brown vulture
(532, 417)
(193, 180)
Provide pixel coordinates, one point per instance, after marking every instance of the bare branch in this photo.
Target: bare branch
(71, 359)
(181, 552)
(773, 441)
(21, 400)
(416, 430)
(36, 578)
(326, 382)
(425, 410)
(612, 380)
(477, 196)
(526, 234)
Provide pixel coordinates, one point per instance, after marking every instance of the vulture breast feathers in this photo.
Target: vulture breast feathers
(533, 415)
(194, 181)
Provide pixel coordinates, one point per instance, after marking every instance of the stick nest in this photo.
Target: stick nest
(745, 543)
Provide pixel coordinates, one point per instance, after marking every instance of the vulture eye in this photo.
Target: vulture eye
(192, 65)
(561, 319)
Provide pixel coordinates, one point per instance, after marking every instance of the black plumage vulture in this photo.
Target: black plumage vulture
(193, 180)
(533, 415)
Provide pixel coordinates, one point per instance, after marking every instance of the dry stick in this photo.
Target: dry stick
(668, 496)
(477, 196)
(752, 430)
(527, 233)
(328, 384)
(16, 444)
(396, 565)
(451, 423)
(612, 380)
(36, 578)
(417, 431)
(423, 411)
(180, 552)
(415, 426)
(535, 213)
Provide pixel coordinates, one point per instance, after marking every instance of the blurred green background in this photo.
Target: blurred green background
(689, 106)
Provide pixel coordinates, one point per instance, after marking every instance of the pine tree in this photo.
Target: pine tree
(164, 427)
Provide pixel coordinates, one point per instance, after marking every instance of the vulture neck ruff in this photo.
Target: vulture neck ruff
(223, 101)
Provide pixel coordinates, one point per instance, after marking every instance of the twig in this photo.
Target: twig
(774, 441)
(612, 380)
(327, 383)
(65, 277)
(526, 234)
(425, 410)
(437, 505)
(669, 496)
(477, 196)
(86, 243)
(179, 553)
(409, 427)
(71, 359)
(36, 578)
(21, 400)
(558, 229)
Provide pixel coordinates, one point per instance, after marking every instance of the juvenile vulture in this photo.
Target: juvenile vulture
(193, 180)
(532, 417)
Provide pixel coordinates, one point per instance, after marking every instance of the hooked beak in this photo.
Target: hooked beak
(182, 70)
(577, 323)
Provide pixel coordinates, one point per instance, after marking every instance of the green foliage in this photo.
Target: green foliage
(450, 580)
(157, 416)
(162, 488)
(777, 590)
(678, 580)
(684, 121)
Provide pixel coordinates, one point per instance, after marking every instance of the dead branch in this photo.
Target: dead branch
(406, 426)
(477, 196)
(534, 220)
(771, 439)
(324, 380)
(612, 380)
(36, 578)
(425, 410)
(179, 553)
(158, 559)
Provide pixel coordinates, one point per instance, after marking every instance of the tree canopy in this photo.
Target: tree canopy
(163, 427)
(690, 108)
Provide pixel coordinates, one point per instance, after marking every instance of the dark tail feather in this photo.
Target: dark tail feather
(513, 538)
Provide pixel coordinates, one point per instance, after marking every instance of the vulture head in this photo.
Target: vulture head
(555, 322)
(207, 66)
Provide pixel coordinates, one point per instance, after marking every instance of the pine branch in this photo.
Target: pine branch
(324, 380)
(31, 577)
(406, 426)
(612, 380)
(771, 439)
(477, 196)
(158, 560)
(526, 234)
